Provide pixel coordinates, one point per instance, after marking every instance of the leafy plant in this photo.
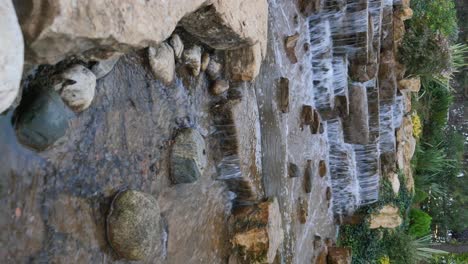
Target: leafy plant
(437, 15)
(425, 53)
(423, 252)
(420, 223)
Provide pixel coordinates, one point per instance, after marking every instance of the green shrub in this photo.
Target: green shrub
(437, 15)
(425, 53)
(420, 223)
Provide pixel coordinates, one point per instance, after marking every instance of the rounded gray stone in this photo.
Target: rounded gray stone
(188, 159)
(42, 119)
(133, 225)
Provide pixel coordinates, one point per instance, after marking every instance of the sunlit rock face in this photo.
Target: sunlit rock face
(100, 27)
(11, 55)
(387, 217)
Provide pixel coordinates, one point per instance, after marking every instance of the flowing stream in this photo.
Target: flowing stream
(54, 202)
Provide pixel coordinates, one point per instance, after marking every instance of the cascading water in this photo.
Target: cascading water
(322, 62)
(342, 162)
(229, 169)
(398, 110)
(368, 176)
(387, 141)
(342, 33)
(340, 79)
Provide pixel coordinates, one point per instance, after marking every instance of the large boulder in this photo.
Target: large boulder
(56, 29)
(11, 55)
(226, 25)
(387, 217)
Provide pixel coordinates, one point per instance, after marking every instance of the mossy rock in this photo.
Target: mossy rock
(133, 225)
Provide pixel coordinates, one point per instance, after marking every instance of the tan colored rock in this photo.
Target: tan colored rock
(219, 86)
(11, 55)
(177, 45)
(205, 60)
(244, 64)
(77, 87)
(387, 217)
(404, 13)
(398, 31)
(227, 25)
(303, 210)
(161, 59)
(56, 29)
(322, 168)
(322, 256)
(395, 182)
(290, 46)
(258, 243)
(192, 59)
(411, 84)
(339, 255)
(406, 147)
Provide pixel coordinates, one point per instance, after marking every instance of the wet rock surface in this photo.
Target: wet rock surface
(188, 159)
(339, 255)
(133, 227)
(42, 119)
(219, 86)
(257, 232)
(244, 64)
(121, 141)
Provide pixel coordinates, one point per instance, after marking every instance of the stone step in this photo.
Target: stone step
(238, 132)
(356, 124)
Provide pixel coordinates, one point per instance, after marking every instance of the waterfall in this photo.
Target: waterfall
(342, 33)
